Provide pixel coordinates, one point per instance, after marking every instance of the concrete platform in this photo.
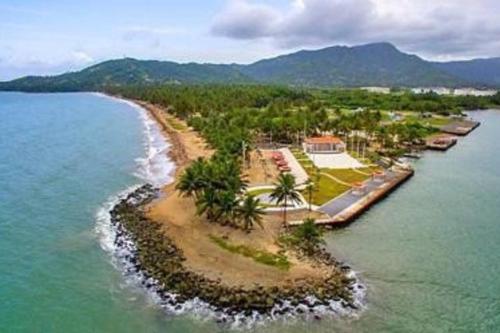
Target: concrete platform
(335, 161)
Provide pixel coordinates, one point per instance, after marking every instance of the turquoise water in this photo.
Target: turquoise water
(429, 254)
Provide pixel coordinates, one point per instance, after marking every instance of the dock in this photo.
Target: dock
(347, 207)
(461, 127)
(441, 142)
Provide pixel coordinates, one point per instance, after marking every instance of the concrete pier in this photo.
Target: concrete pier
(347, 207)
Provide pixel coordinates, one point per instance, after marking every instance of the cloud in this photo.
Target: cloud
(244, 20)
(437, 29)
(81, 57)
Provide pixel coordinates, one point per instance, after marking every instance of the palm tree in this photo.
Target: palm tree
(285, 191)
(207, 203)
(308, 235)
(227, 205)
(309, 188)
(188, 184)
(192, 180)
(250, 212)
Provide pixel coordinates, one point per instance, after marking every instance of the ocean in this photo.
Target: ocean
(428, 254)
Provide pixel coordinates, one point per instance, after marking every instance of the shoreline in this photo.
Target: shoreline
(228, 306)
(277, 302)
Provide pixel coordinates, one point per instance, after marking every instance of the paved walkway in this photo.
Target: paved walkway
(349, 198)
(296, 169)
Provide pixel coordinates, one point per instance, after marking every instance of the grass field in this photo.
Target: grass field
(263, 257)
(436, 121)
(348, 175)
(325, 190)
(260, 191)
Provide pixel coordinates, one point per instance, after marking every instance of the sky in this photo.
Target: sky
(49, 37)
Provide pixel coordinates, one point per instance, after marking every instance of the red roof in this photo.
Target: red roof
(324, 139)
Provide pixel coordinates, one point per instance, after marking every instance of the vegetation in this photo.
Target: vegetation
(253, 115)
(285, 192)
(327, 189)
(310, 187)
(263, 257)
(307, 237)
(260, 191)
(347, 175)
(250, 212)
(236, 118)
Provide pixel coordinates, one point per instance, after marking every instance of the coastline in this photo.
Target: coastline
(294, 300)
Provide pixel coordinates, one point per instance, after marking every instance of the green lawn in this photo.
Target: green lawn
(263, 257)
(260, 191)
(325, 190)
(436, 121)
(299, 154)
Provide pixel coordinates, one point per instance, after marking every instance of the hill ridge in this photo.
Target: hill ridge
(375, 64)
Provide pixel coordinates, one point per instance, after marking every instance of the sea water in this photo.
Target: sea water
(429, 253)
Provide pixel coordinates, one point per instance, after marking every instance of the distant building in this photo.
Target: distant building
(454, 92)
(395, 116)
(327, 144)
(473, 92)
(436, 90)
(380, 90)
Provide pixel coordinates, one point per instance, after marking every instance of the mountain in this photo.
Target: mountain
(379, 64)
(479, 71)
(128, 72)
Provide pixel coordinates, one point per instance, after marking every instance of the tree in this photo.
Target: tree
(310, 189)
(284, 192)
(192, 180)
(227, 205)
(250, 212)
(308, 236)
(207, 204)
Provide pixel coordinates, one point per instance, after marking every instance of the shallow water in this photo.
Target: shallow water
(428, 253)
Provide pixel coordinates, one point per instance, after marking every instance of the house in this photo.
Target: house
(327, 144)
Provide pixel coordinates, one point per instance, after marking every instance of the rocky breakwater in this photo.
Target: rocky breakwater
(145, 250)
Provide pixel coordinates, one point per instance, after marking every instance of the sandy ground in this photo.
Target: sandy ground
(191, 233)
(261, 170)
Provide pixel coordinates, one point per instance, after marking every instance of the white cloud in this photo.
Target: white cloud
(437, 29)
(245, 20)
(81, 57)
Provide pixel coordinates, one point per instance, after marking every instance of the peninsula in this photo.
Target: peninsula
(259, 170)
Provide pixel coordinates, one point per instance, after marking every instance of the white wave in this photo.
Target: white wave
(154, 167)
(104, 228)
(116, 241)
